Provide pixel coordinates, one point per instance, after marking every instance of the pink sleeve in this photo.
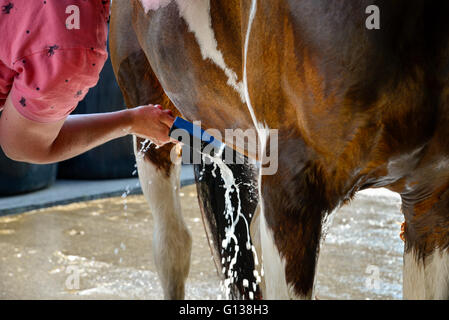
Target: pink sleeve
(51, 83)
(6, 78)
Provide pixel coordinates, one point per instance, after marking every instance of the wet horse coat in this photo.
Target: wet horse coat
(355, 108)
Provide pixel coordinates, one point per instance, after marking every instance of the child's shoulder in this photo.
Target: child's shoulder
(31, 26)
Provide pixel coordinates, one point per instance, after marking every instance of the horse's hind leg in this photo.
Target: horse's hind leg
(211, 196)
(426, 255)
(293, 205)
(160, 182)
(159, 177)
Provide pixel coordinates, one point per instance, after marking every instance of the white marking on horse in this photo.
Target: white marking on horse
(274, 268)
(171, 237)
(197, 15)
(154, 4)
(252, 15)
(428, 280)
(273, 265)
(262, 129)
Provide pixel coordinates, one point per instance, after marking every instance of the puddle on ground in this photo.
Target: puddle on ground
(105, 251)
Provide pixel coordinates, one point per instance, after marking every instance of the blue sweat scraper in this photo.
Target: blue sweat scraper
(201, 141)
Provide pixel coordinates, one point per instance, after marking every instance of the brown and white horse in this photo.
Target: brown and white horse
(354, 108)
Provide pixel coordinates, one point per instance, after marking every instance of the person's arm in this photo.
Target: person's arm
(41, 143)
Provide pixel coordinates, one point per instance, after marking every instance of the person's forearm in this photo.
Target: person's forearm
(28, 141)
(81, 133)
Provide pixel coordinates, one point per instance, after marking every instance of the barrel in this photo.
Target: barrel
(113, 160)
(19, 177)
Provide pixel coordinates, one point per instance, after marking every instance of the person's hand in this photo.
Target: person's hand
(152, 122)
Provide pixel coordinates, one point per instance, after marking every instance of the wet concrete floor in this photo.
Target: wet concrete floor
(102, 250)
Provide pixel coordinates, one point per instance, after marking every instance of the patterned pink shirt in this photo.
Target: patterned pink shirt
(51, 54)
